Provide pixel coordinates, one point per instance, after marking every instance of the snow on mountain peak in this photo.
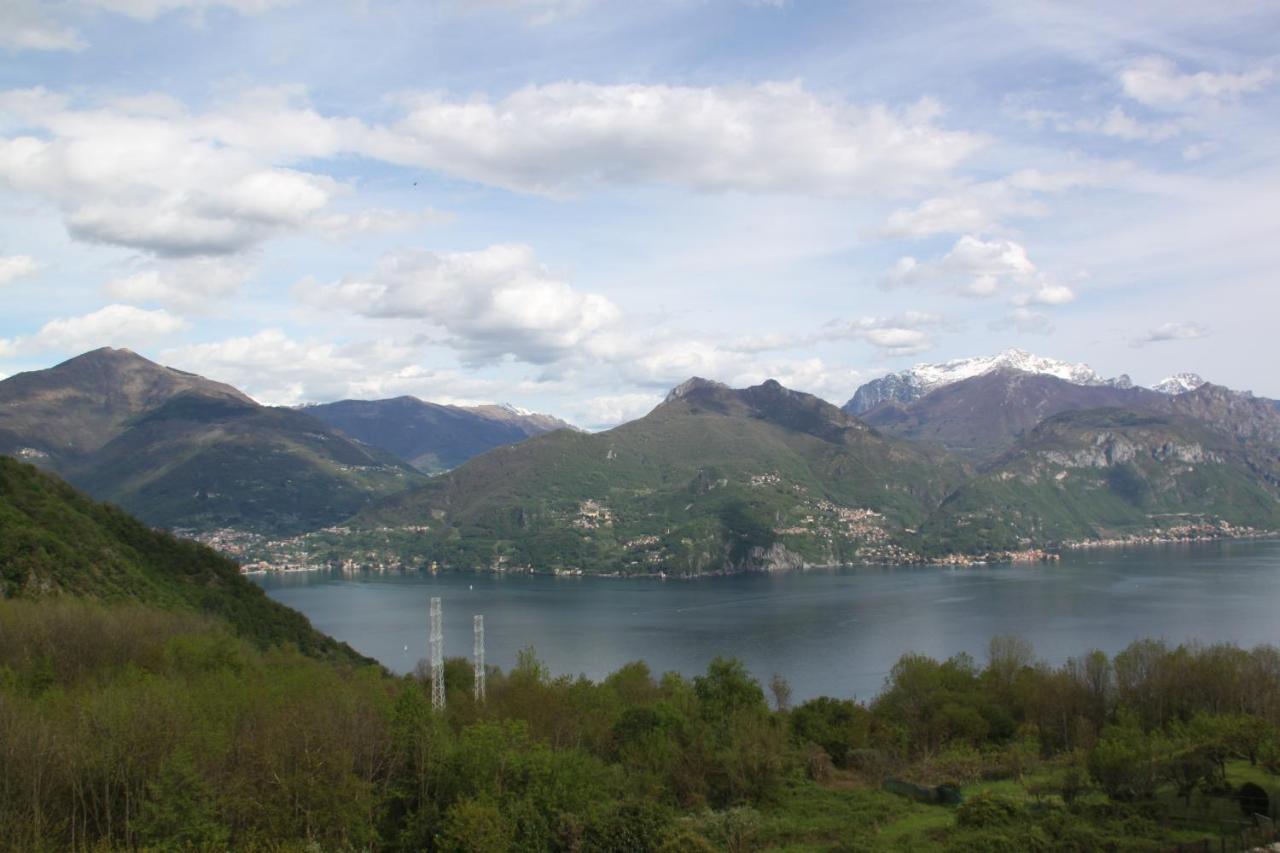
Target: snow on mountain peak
(1179, 383)
(914, 382)
(931, 376)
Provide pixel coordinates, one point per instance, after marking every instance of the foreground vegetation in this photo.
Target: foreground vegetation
(125, 727)
(55, 541)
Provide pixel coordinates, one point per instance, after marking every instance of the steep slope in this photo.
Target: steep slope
(200, 463)
(429, 436)
(56, 541)
(56, 416)
(982, 416)
(713, 479)
(1107, 473)
(907, 386)
(181, 451)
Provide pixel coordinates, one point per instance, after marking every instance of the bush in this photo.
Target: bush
(988, 810)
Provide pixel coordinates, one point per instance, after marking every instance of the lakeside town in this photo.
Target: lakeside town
(259, 554)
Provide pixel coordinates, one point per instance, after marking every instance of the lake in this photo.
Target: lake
(830, 632)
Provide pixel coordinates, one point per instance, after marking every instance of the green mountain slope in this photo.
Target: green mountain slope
(206, 463)
(56, 541)
(181, 451)
(713, 479)
(1109, 473)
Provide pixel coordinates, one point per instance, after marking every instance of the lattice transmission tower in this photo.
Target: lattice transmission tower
(437, 656)
(478, 657)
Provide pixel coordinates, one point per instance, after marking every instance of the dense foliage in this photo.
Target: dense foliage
(128, 727)
(55, 541)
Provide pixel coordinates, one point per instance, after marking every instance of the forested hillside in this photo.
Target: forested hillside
(56, 542)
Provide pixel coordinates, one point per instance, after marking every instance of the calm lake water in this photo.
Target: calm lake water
(834, 632)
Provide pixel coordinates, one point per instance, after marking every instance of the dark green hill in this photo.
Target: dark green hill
(1110, 473)
(181, 451)
(713, 479)
(56, 541)
(429, 436)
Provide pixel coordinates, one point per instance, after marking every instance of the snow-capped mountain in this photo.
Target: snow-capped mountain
(1179, 383)
(914, 382)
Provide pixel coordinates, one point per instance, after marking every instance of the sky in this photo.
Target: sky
(574, 205)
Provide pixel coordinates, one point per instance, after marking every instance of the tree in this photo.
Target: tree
(180, 811)
(781, 692)
(474, 826)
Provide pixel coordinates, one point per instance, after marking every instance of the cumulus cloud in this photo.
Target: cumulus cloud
(113, 325)
(144, 173)
(148, 182)
(983, 268)
(978, 267)
(491, 303)
(185, 285)
(774, 137)
(14, 267)
(1177, 331)
(278, 369)
(1157, 82)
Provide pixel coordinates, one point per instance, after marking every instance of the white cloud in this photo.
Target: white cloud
(905, 334)
(1116, 123)
(28, 25)
(113, 325)
(612, 409)
(186, 285)
(148, 182)
(1046, 293)
(773, 137)
(491, 303)
(1157, 82)
(1121, 125)
(978, 266)
(281, 370)
(14, 267)
(1179, 331)
(980, 207)
(983, 268)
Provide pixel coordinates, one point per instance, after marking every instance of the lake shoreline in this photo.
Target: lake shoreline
(1046, 555)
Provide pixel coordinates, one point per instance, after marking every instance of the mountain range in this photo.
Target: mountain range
(180, 451)
(973, 457)
(429, 436)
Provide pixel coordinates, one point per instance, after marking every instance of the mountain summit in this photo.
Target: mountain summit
(79, 405)
(907, 386)
(182, 451)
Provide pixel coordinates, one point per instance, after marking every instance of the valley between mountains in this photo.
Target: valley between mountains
(1005, 457)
